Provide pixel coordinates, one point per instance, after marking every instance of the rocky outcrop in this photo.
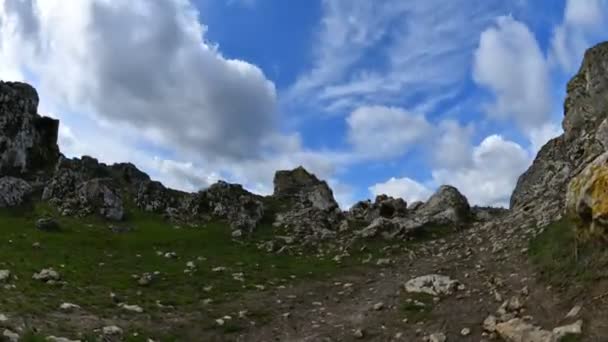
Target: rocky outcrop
(383, 206)
(303, 187)
(242, 209)
(28, 141)
(307, 210)
(541, 190)
(13, 192)
(446, 208)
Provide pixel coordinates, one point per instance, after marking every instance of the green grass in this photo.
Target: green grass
(413, 311)
(95, 262)
(561, 262)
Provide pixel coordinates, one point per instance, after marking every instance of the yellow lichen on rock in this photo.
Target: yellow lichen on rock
(587, 200)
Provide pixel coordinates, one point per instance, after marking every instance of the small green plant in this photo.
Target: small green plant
(561, 259)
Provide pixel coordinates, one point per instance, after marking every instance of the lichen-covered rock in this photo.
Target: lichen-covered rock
(99, 196)
(28, 142)
(541, 190)
(13, 191)
(587, 200)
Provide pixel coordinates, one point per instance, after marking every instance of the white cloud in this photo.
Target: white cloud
(453, 148)
(383, 132)
(420, 52)
(540, 136)
(406, 188)
(584, 23)
(140, 63)
(490, 179)
(510, 63)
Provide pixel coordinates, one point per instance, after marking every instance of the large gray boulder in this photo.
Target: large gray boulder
(541, 190)
(446, 206)
(13, 191)
(28, 141)
(302, 186)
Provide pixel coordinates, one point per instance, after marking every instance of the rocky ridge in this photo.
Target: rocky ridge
(483, 262)
(302, 207)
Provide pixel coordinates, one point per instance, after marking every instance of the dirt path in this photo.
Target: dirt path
(489, 260)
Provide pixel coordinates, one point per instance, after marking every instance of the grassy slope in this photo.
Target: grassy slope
(553, 252)
(94, 262)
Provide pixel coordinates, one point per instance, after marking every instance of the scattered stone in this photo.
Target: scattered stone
(517, 330)
(5, 275)
(574, 311)
(131, 308)
(47, 225)
(489, 324)
(570, 329)
(437, 337)
(145, 279)
(60, 339)
(68, 307)
(358, 333)
(378, 306)
(10, 335)
(432, 284)
(465, 332)
(112, 331)
(47, 275)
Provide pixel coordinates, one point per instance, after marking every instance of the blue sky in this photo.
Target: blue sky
(388, 96)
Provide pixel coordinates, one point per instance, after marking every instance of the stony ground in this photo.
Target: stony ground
(215, 289)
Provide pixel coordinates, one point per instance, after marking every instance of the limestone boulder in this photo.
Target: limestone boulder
(13, 192)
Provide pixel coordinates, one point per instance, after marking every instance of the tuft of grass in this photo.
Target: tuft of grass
(560, 261)
(413, 311)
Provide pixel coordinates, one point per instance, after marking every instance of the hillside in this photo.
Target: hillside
(102, 252)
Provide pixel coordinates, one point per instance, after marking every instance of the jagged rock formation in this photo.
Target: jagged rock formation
(300, 186)
(447, 207)
(28, 142)
(306, 208)
(541, 190)
(242, 209)
(383, 206)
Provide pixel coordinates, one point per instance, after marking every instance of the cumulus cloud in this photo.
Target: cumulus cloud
(490, 179)
(584, 22)
(453, 148)
(145, 64)
(510, 64)
(382, 132)
(406, 188)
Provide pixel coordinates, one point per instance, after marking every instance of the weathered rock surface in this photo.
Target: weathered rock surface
(13, 191)
(587, 199)
(432, 284)
(307, 210)
(28, 141)
(304, 187)
(383, 206)
(541, 190)
(242, 209)
(446, 208)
